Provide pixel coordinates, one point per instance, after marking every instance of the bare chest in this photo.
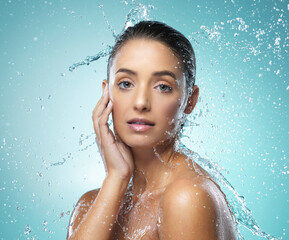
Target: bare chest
(139, 220)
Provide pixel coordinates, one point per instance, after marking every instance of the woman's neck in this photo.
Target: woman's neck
(152, 167)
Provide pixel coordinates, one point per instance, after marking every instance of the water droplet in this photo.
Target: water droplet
(27, 230)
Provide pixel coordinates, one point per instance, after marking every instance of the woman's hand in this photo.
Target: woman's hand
(116, 155)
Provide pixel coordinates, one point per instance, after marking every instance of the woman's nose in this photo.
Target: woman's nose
(142, 100)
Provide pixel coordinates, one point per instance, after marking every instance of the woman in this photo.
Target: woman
(149, 91)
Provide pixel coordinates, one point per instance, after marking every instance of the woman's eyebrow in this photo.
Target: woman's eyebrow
(125, 70)
(156, 74)
(164, 73)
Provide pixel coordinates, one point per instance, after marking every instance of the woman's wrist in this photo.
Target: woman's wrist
(124, 176)
(117, 181)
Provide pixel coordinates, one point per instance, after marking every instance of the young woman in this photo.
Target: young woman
(152, 190)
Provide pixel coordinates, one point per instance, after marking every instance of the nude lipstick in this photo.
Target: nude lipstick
(140, 124)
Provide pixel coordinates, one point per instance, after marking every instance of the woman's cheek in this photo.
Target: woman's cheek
(116, 108)
(116, 111)
(171, 111)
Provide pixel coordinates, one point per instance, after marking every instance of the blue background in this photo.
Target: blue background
(48, 158)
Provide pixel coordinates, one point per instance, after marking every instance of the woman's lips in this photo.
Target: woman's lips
(140, 125)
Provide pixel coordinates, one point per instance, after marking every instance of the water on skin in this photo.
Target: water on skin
(138, 211)
(242, 215)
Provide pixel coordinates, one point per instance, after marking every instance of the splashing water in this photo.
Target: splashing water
(27, 230)
(138, 13)
(243, 215)
(237, 203)
(89, 59)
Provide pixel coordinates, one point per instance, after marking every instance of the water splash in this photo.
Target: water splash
(89, 59)
(243, 215)
(86, 141)
(27, 230)
(138, 233)
(107, 22)
(137, 13)
(64, 159)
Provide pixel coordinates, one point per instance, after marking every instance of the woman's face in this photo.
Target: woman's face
(146, 87)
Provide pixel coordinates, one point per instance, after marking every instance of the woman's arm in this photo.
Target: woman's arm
(96, 221)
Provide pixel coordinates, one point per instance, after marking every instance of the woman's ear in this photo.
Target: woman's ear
(192, 100)
(104, 84)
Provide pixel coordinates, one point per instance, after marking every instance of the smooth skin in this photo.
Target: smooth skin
(170, 197)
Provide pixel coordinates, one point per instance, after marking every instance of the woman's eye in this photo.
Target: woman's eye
(125, 84)
(164, 88)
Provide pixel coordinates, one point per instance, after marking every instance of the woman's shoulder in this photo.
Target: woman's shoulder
(81, 208)
(191, 177)
(88, 197)
(194, 185)
(85, 201)
(193, 201)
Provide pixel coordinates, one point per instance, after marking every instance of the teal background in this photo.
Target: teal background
(48, 158)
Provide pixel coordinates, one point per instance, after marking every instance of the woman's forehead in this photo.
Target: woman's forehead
(152, 55)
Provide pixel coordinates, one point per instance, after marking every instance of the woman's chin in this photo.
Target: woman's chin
(145, 142)
(140, 144)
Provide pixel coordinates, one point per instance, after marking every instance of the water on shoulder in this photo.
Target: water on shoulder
(138, 216)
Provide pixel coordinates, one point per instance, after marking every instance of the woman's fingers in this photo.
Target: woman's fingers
(104, 132)
(98, 111)
(115, 153)
(101, 105)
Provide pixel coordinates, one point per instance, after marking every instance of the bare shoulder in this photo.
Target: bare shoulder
(184, 189)
(81, 208)
(195, 208)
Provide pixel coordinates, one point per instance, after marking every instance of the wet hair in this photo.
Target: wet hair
(176, 41)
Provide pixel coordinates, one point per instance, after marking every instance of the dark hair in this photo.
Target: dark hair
(165, 34)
